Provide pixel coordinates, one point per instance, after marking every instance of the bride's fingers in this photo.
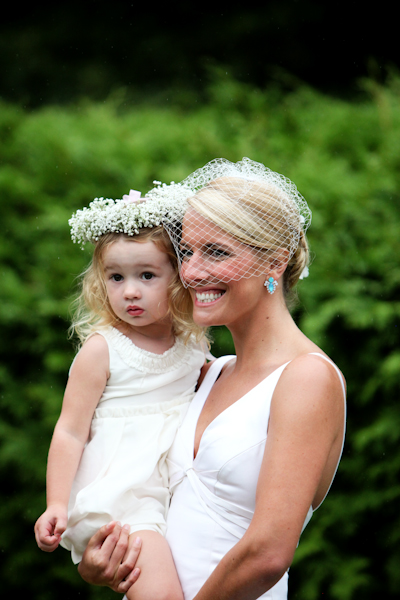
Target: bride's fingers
(110, 558)
(127, 572)
(100, 562)
(116, 548)
(124, 586)
(97, 540)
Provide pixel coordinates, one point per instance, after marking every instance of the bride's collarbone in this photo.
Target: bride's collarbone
(225, 392)
(232, 385)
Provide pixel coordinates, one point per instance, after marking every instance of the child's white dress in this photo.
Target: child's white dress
(123, 474)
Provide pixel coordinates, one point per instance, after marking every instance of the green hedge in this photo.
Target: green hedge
(345, 159)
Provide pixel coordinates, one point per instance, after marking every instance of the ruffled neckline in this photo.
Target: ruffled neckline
(145, 361)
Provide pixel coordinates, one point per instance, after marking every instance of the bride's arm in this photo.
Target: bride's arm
(109, 560)
(304, 442)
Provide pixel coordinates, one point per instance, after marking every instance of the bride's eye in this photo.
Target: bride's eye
(185, 253)
(217, 252)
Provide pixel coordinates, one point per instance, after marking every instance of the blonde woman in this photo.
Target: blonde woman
(262, 439)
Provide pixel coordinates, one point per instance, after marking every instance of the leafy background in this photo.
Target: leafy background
(64, 143)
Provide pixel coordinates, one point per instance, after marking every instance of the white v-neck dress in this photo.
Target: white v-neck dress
(123, 474)
(214, 494)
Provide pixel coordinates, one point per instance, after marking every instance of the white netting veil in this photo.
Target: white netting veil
(240, 219)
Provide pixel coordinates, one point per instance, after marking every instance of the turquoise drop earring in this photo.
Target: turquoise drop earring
(271, 284)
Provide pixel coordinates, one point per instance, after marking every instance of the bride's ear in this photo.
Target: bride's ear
(278, 262)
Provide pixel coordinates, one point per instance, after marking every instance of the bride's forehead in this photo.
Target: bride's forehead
(193, 220)
(198, 229)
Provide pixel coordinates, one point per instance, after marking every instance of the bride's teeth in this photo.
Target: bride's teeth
(207, 296)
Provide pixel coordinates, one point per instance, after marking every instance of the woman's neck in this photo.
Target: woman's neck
(268, 337)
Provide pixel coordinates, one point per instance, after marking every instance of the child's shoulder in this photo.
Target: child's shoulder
(95, 343)
(94, 353)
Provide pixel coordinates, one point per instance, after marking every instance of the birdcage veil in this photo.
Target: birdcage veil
(236, 213)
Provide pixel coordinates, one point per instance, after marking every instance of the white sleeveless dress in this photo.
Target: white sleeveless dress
(123, 474)
(214, 495)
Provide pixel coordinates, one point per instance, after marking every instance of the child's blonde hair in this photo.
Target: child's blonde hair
(91, 310)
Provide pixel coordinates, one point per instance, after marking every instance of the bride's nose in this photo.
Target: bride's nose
(194, 269)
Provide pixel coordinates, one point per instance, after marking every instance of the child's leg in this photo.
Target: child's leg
(158, 579)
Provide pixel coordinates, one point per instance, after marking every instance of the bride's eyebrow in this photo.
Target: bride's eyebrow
(218, 245)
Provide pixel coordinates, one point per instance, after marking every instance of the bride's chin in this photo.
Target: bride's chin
(207, 317)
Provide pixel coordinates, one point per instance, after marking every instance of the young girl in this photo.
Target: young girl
(128, 389)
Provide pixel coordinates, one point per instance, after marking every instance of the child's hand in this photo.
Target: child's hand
(50, 526)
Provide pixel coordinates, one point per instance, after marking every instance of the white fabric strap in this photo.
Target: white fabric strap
(212, 375)
(336, 369)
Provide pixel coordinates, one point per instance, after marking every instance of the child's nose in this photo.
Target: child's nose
(132, 290)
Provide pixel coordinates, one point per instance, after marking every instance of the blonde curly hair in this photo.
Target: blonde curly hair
(91, 310)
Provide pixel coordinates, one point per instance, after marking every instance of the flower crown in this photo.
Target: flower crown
(128, 215)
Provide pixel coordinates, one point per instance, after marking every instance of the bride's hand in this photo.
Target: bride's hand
(110, 560)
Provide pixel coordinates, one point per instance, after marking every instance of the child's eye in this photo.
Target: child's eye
(147, 276)
(116, 277)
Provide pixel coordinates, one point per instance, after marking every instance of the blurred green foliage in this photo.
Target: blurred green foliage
(345, 159)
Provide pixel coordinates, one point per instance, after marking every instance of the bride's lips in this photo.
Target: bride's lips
(207, 296)
(134, 311)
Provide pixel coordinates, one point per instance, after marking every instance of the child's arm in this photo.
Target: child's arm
(86, 383)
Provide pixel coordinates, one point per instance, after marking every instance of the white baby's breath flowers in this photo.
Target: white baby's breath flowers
(128, 215)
